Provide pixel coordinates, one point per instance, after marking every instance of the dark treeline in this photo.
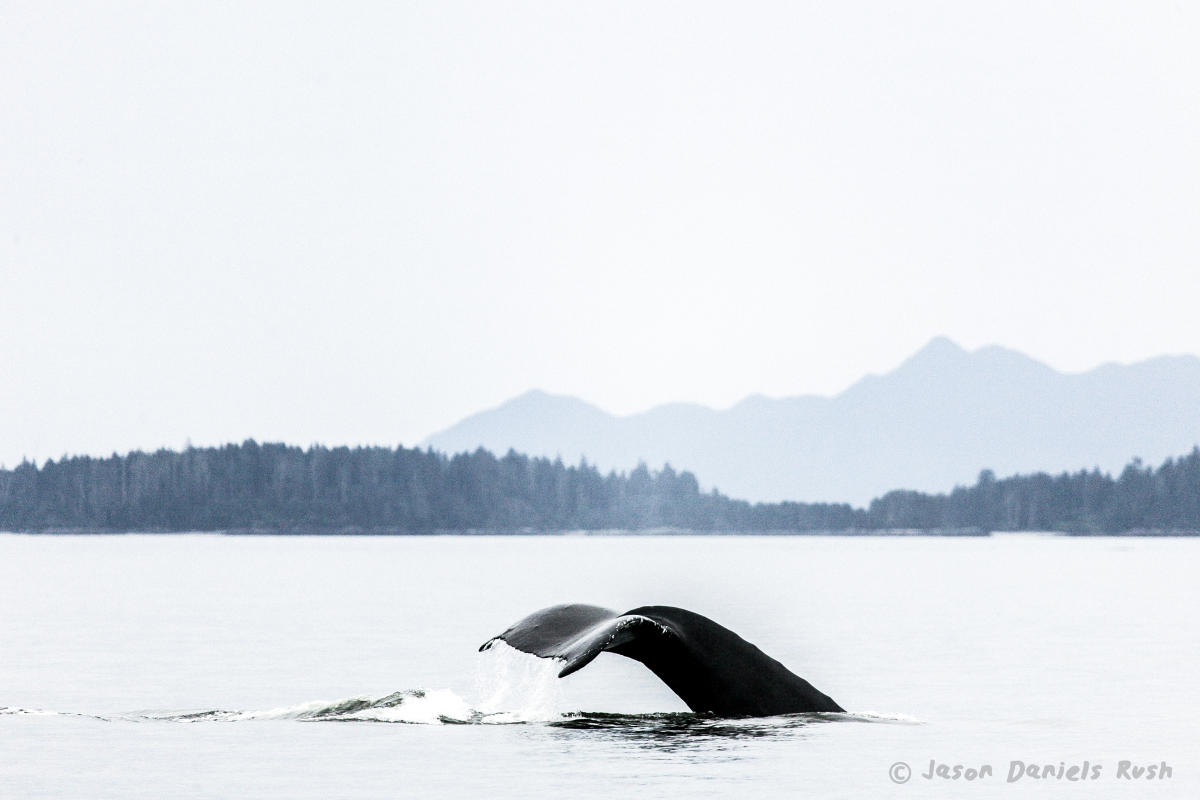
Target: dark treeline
(282, 488)
(275, 487)
(1141, 499)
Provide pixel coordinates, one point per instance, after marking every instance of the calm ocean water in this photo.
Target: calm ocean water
(211, 666)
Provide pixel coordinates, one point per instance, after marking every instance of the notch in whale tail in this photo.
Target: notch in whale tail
(710, 667)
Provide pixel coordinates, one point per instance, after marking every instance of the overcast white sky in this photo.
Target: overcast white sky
(357, 223)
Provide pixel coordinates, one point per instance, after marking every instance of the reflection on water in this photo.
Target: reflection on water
(676, 725)
(681, 731)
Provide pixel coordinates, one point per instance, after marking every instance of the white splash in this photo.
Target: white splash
(423, 708)
(511, 686)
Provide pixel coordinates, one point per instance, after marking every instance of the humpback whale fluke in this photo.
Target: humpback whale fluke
(710, 667)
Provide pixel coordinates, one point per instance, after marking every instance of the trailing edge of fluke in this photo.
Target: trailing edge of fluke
(710, 667)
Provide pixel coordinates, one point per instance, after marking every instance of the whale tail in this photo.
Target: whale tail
(710, 667)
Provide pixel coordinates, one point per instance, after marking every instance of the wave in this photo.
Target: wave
(413, 706)
(510, 688)
(444, 707)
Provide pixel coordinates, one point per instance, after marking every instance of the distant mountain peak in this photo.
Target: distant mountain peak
(541, 399)
(942, 358)
(942, 344)
(534, 396)
(939, 350)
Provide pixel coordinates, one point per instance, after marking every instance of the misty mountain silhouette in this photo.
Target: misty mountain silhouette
(933, 422)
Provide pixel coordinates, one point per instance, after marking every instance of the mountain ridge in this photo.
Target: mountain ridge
(933, 422)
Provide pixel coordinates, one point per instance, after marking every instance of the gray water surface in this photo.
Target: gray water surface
(214, 666)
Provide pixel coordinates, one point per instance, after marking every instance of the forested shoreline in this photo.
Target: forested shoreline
(285, 489)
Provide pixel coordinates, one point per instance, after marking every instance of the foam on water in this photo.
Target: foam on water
(416, 706)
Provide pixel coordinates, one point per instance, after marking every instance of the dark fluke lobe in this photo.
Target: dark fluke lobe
(709, 666)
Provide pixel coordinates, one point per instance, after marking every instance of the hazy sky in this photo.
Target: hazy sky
(357, 223)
